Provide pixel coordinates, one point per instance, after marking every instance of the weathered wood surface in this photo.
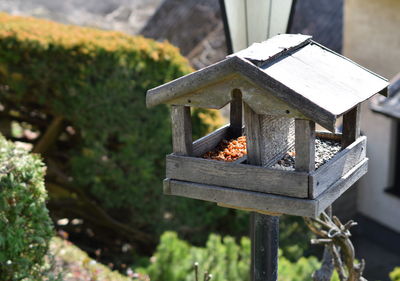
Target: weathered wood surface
(268, 137)
(231, 69)
(346, 181)
(181, 130)
(272, 48)
(242, 198)
(252, 123)
(217, 95)
(337, 167)
(236, 116)
(267, 202)
(329, 135)
(305, 145)
(351, 126)
(313, 70)
(240, 176)
(210, 141)
(278, 137)
(264, 234)
(297, 78)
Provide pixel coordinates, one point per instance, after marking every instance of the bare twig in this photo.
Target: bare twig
(336, 238)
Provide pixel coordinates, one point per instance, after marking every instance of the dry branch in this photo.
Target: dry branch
(338, 248)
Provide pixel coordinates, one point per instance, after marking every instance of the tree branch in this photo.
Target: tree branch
(50, 136)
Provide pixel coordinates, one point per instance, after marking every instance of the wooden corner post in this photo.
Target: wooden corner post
(305, 145)
(351, 126)
(235, 128)
(182, 142)
(264, 229)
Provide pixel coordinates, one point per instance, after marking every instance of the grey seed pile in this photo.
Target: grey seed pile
(324, 151)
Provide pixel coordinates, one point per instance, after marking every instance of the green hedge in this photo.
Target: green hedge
(222, 257)
(25, 225)
(395, 274)
(82, 91)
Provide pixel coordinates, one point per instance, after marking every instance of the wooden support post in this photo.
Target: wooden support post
(181, 130)
(264, 232)
(236, 125)
(264, 229)
(351, 126)
(305, 145)
(253, 136)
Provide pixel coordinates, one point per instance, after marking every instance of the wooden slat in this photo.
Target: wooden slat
(242, 198)
(278, 136)
(253, 135)
(305, 145)
(337, 167)
(210, 141)
(236, 116)
(181, 130)
(241, 176)
(345, 182)
(267, 202)
(313, 70)
(351, 126)
(329, 136)
(273, 47)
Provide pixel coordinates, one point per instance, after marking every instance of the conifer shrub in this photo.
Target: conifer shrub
(78, 96)
(222, 257)
(25, 225)
(395, 274)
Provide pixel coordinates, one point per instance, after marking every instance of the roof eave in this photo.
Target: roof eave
(191, 82)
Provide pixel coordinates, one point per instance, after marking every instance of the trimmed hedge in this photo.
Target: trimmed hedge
(82, 91)
(25, 225)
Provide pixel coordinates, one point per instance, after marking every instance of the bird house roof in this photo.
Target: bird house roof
(286, 75)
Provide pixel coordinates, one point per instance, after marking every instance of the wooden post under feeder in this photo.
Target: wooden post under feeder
(284, 87)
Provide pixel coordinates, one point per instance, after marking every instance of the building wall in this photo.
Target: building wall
(372, 38)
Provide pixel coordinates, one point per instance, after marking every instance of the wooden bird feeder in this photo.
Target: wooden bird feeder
(283, 87)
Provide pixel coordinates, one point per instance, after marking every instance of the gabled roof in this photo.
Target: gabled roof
(310, 79)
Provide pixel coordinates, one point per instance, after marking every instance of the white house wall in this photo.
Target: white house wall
(372, 38)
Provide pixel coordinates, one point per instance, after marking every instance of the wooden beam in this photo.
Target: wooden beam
(253, 135)
(210, 141)
(305, 145)
(248, 177)
(351, 126)
(236, 114)
(242, 198)
(264, 229)
(181, 130)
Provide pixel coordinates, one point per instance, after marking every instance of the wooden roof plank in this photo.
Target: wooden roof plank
(273, 47)
(330, 81)
(312, 79)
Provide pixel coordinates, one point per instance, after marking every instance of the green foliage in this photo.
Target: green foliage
(69, 261)
(106, 156)
(395, 274)
(222, 257)
(294, 237)
(25, 226)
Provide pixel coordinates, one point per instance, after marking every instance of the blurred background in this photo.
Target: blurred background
(77, 98)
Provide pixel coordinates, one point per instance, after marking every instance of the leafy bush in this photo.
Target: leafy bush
(78, 95)
(222, 257)
(25, 225)
(395, 274)
(71, 261)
